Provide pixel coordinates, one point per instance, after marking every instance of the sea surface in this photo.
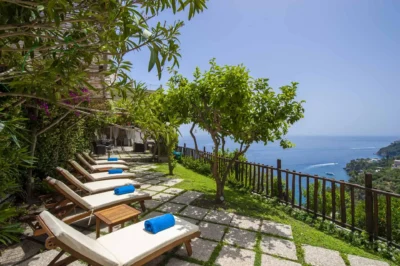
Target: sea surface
(314, 155)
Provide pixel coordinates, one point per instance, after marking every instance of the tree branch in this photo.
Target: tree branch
(231, 162)
(53, 124)
(194, 137)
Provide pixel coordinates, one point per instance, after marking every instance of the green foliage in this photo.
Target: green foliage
(9, 229)
(47, 46)
(392, 150)
(14, 156)
(56, 146)
(199, 166)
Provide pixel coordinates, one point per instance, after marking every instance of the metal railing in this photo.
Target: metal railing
(349, 205)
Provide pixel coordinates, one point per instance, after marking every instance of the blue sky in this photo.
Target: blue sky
(344, 53)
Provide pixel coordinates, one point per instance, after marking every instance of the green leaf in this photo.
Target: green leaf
(153, 59)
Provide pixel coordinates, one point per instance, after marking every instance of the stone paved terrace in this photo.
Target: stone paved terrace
(226, 239)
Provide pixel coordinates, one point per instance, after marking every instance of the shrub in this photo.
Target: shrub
(9, 229)
(199, 166)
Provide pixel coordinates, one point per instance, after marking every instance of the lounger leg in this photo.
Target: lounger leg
(65, 261)
(188, 248)
(143, 206)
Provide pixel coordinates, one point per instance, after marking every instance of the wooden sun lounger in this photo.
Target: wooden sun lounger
(101, 167)
(89, 204)
(98, 162)
(131, 245)
(95, 187)
(98, 176)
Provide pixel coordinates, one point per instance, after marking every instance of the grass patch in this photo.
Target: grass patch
(243, 203)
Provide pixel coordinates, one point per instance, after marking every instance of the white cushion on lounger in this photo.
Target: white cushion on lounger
(107, 161)
(96, 186)
(71, 178)
(70, 192)
(133, 243)
(78, 241)
(111, 165)
(106, 175)
(93, 161)
(109, 198)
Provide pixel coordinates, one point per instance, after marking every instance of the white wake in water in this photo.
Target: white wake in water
(321, 165)
(363, 148)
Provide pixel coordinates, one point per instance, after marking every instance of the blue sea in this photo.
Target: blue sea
(314, 155)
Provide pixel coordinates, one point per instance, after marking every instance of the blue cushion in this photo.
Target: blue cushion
(112, 159)
(157, 224)
(115, 171)
(124, 190)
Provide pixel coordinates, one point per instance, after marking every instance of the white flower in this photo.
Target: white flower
(168, 123)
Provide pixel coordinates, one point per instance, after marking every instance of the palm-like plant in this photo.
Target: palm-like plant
(9, 230)
(14, 158)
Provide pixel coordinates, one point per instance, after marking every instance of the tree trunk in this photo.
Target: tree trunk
(220, 196)
(170, 167)
(30, 182)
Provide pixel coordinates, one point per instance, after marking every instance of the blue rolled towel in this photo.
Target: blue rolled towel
(112, 159)
(157, 224)
(124, 190)
(115, 171)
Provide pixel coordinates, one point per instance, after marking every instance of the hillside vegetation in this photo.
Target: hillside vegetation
(392, 150)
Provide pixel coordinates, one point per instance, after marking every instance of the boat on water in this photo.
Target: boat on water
(329, 173)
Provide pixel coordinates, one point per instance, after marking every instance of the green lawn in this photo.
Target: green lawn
(242, 203)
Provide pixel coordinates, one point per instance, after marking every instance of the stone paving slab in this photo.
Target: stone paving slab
(241, 238)
(212, 231)
(152, 204)
(272, 261)
(187, 197)
(148, 176)
(246, 222)
(230, 256)
(171, 207)
(190, 220)
(322, 257)
(171, 182)
(163, 197)
(142, 174)
(151, 193)
(174, 190)
(155, 262)
(157, 188)
(178, 262)
(151, 215)
(194, 212)
(221, 217)
(163, 178)
(141, 179)
(360, 261)
(45, 258)
(278, 247)
(19, 252)
(144, 186)
(151, 182)
(202, 249)
(278, 229)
